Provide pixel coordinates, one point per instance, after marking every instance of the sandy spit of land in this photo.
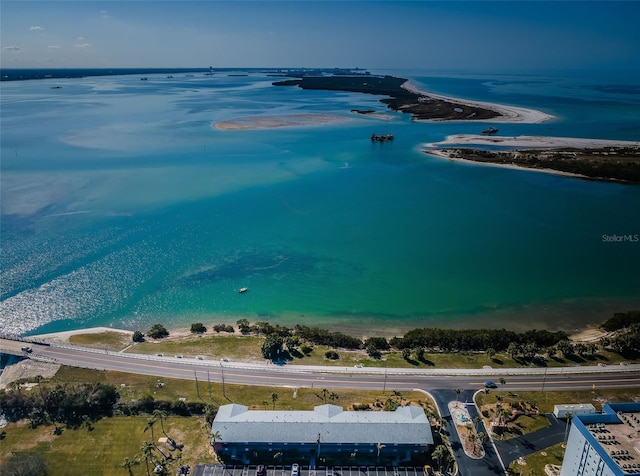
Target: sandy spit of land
(63, 337)
(269, 122)
(444, 155)
(531, 142)
(507, 113)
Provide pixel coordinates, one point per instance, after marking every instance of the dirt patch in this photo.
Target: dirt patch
(26, 369)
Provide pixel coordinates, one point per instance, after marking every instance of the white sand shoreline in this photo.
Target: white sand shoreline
(527, 142)
(508, 114)
(443, 155)
(531, 142)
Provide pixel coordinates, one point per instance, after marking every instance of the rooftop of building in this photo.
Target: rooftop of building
(617, 433)
(331, 423)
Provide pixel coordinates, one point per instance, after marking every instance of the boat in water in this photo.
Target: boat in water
(381, 138)
(490, 131)
(243, 290)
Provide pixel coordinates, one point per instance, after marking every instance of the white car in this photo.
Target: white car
(295, 469)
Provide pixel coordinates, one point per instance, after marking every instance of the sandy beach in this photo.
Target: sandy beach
(530, 142)
(507, 113)
(445, 155)
(269, 122)
(442, 149)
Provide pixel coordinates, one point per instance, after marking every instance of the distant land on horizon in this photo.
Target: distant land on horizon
(21, 74)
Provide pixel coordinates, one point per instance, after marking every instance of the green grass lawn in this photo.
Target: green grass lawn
(537, 461)
(102, 450)
(133, 387)
(102, 340)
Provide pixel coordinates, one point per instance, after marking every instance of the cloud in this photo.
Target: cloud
(80, 38)
(11, 48)
(104, 14)
(53, 46)
(36, 28)
(82, 45)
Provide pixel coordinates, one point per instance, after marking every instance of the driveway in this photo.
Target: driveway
(524, 445)
(487, 466)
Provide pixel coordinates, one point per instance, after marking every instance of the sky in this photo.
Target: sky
(418, 34)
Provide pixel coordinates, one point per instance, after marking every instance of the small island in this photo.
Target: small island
(582, 158)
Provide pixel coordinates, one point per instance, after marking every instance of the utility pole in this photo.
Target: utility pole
(384, 385)
(197, 389)
(224, 394)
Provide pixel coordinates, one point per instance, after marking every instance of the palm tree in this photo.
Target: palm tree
(161, 415)
(333, 396)
(476, 421)
(147, 449)
(265, 403)
(325, 392)
(128, 463)
(210, 412)
(440, 455)
(457, 390)
(472, 439)
(215, 436)
(502, 382)
(482, 437)
(274, 398)
(150, 423)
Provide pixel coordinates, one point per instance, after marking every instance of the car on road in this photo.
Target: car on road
(28, 350)
(260, 471)
(295, 469)
(490, 384)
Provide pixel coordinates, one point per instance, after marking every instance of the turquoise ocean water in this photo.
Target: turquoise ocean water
(122, 206)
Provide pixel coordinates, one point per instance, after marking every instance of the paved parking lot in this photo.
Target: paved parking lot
(220, 470)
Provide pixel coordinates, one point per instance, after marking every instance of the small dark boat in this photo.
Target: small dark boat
(382, 138)
(490, 131)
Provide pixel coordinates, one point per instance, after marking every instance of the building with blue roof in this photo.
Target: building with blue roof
(604, 444)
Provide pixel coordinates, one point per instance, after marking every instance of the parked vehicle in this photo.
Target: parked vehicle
(295, 469)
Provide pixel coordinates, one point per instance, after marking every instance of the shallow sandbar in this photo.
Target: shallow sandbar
(269, 122)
